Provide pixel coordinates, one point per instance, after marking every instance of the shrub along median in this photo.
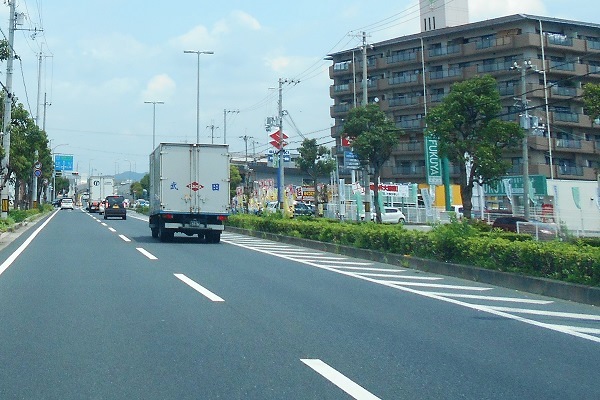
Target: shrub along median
(574, 261)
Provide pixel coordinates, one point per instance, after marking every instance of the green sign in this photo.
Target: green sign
(537, 182)
(433, 162)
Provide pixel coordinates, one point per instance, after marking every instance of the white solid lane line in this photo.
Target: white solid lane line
(492, 298)
(146, 253)
(200, 289)
(125, 238)
(588, 317)
(339, 380)
(22, 247)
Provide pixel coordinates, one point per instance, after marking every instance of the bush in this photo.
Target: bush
(459, 242)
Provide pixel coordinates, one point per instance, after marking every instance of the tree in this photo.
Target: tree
(471, 135)
(145, 182)
(315, 161)
(137, 190)
(235, 178)
(591, 100)
(373, 138)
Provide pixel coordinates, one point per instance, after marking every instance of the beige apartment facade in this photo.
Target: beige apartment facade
(409, 75)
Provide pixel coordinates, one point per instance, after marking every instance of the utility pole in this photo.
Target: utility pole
(212, 128)
(280, 155)
(7, 112)
(225, 112)
(525, 124)
(365, 101)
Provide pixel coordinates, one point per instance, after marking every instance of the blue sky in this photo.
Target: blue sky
(103, 59)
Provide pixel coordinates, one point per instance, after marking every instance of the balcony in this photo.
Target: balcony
(401, 57)
(493, 43)
(409, 148)
(336, 111)
(444, 51)
(403, 101)
(563, 91)
(412, 171)
(400, 79)
(592, 45)
(570, 170)
(495, 67)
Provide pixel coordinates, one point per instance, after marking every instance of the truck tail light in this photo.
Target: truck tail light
(222, 217)
(168, 216)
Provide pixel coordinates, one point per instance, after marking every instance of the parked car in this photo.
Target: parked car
(301, 209)
(508, 223)
(271, 207)
(458, 210)
(390, 215)
(114, 206)
(67, 204)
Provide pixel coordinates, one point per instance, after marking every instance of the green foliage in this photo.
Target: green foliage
(145, 182)
(591, 100)
(235, 178)
(468, 130)
(374, 136)
(460, 242)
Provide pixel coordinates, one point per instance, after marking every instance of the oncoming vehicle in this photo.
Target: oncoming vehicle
(67, 204)
(114, 206)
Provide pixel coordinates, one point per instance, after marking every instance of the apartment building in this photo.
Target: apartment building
(408, 75)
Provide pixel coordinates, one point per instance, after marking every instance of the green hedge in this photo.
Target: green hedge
(458, 242)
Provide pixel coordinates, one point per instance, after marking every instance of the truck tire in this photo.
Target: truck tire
(213, 237)
(154, 232)
(165, 235)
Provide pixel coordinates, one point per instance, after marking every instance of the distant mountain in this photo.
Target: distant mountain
(129, 175)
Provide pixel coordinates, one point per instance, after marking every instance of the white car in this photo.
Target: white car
(391, 215)
(67, 203)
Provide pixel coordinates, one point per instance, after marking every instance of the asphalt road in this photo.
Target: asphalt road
(94, 309)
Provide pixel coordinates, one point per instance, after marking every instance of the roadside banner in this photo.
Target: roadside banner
(576, 197)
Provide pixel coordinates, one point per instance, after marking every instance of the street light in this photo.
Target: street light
(197, 52)
(154, 103)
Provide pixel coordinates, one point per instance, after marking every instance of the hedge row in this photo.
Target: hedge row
(461, 243)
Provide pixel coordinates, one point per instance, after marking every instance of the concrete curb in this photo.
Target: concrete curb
(546, 287)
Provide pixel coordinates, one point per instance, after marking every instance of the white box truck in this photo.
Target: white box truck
(98, 188)
(189, 190)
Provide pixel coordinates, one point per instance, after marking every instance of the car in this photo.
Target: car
(301, 209)
(390, 215)
(114, 206)
(56, 202)
(458, 210)
(67, 204)
(93, 206)
(508, 223)
(271, 207)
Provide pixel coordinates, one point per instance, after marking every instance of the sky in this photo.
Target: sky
(102, 60)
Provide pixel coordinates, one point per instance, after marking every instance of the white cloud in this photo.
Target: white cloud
(201, 37)
(112, 48)
(278, 64)
(159, 88)
(480, 10)
(197, 38)
(246, 20)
